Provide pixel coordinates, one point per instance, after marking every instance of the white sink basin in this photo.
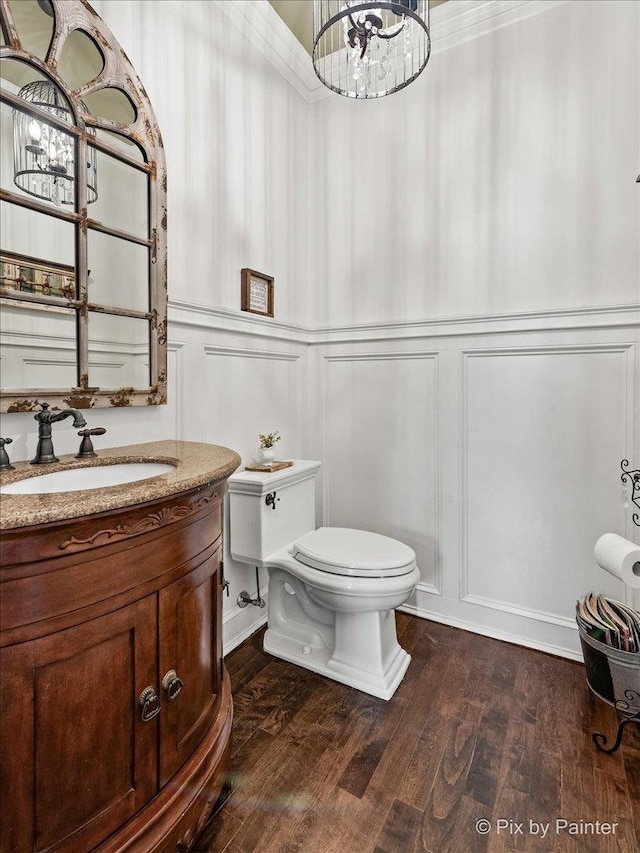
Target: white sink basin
(82, 479)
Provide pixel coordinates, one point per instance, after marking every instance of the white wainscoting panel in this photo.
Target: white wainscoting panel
(176, 397)
(48, 371)
(244, 390)
(381, 459)
(543, 433)
(248, 391)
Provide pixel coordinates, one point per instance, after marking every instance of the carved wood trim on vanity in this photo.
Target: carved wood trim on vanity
(167, 515)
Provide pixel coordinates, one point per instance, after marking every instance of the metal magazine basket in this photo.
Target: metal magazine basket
(613, 675)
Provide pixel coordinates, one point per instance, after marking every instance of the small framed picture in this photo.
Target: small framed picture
(257, 293)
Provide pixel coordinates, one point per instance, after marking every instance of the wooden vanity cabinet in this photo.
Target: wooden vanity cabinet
(94, 612)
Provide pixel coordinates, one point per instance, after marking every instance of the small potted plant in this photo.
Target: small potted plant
(266, 452)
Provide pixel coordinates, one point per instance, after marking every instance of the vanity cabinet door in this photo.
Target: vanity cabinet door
(190, 646)
(77, 760)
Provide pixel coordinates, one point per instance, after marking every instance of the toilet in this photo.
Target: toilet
(332, 590)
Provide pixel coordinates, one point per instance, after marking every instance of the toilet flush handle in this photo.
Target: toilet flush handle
(271, 499)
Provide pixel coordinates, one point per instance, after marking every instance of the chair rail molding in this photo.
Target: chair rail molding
(193, 315)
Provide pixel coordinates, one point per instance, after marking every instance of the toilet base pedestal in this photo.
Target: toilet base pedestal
(366, 654)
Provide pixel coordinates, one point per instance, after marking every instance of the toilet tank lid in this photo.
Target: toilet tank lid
(260, 482)
(354, 552)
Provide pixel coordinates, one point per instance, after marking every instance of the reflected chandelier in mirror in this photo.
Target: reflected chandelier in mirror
(83, 257)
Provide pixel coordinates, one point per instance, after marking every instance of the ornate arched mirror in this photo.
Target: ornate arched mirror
(83, 296)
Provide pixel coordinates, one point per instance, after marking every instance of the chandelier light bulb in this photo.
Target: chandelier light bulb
(34, 131)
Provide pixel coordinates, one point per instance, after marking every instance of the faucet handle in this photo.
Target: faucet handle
(86, 445)
(5, 465)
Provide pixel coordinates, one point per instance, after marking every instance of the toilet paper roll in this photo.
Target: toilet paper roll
(619, 557)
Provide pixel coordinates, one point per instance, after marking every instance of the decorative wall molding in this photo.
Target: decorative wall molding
(244, 352)
(445, 596)
(266, 30)
(527, 612)
(564, 319)
(465, 595)
(452, 24)
(190, 315)
(430, 355)
(461, 21)
(178, 391)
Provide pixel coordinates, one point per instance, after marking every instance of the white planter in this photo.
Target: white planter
(266, 455)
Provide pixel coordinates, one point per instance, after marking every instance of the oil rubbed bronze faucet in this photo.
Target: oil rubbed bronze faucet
(44, 452)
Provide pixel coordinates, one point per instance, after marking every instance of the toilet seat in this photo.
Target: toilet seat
(353, 553)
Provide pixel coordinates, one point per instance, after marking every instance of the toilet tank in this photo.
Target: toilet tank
(269, 511)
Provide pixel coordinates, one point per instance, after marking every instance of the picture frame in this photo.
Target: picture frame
(256, 294)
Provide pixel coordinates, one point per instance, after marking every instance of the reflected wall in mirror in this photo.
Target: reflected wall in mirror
(83, 292)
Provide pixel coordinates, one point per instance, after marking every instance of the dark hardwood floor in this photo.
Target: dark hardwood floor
(479, 730)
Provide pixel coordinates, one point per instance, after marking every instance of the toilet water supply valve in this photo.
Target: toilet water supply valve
(244, 599)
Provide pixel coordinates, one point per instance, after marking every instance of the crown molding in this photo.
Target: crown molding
(461, 21)
(452, 24)
(266, 30)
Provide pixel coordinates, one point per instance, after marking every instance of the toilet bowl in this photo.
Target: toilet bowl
(332, 590)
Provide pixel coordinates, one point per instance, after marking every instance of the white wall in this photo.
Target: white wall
(502, 180)
(235, 136)
(476, 284)
(457, 296)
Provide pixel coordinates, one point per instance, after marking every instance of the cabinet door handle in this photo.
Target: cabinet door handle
(172, 685)
(149, 701)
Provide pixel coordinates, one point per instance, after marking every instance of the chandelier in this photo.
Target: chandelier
(43, 154)
(367, 50)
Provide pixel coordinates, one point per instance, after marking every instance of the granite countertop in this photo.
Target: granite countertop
(196, 465)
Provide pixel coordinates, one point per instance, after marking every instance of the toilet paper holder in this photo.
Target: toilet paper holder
(634, 479)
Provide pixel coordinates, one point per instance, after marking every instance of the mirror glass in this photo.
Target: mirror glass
(112, 104)
(83, 208)
(34, 25)
(80, 61)
(123, 199)
(43, 241)
(38, 347)
(118, 272)
(118, 351)
(126, 146)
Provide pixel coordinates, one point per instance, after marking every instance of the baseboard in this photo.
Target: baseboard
(494, 633)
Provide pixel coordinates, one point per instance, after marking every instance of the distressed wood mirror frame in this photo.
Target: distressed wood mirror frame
(70, 16)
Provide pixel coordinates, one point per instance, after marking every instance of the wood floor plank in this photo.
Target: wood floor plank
(443, 803)
(400, 830)
(613, 805)
(219, 832)
(479, 730)
(384, 718)
(287, 795)
(482, 781)
(631, 759)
